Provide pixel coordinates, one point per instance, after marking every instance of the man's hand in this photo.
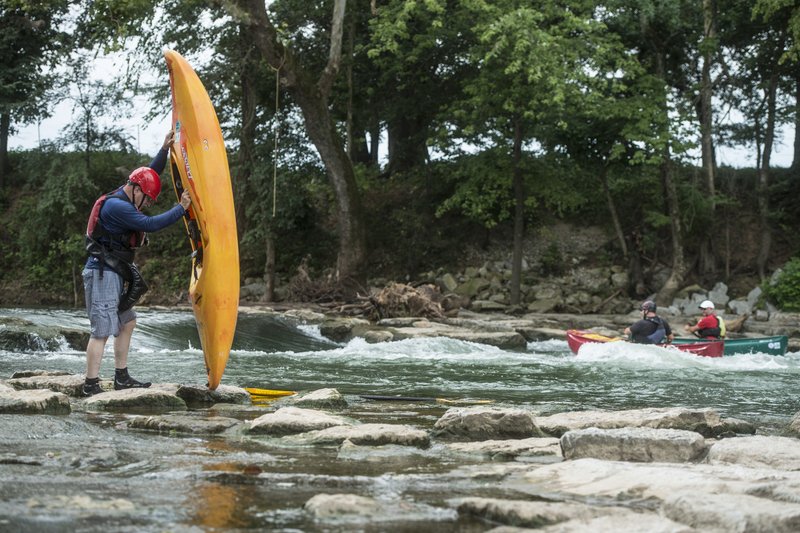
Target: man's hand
(186, 200)
(168, 140)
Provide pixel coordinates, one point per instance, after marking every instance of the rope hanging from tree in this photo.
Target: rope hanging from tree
(277, 133)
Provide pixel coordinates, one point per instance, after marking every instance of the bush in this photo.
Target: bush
(784, 290)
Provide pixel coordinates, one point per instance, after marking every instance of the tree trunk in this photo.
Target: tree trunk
(5, 165)
(519, 215)
(707, 263)
(269, 268)
(374, 139)
(764, 178)
(679, 267)
(247, 133)
(796, 157)
(312, 98)
(407, 143)
(612, 209)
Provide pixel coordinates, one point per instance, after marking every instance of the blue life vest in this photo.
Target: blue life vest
(658, 336)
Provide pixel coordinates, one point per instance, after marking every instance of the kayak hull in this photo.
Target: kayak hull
(774, 345)
(577, 338)
(199, 163)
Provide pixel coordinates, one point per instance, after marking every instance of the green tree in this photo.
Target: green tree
(535, 64)
(31, 43)
(312, 97)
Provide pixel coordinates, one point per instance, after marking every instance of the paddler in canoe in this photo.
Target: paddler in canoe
(709, 326)
(651, 329)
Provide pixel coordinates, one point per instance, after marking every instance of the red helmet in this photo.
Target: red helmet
(147, 179)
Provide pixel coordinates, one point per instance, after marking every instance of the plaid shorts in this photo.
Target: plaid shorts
(102, 302)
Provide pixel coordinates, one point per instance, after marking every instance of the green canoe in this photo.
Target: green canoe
(775, 345)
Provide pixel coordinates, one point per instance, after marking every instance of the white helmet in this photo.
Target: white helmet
(706, 304)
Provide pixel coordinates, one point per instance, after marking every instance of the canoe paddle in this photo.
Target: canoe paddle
(423, 399)
(271, 393)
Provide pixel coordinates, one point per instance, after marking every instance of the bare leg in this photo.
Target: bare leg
(94, 355)
(122, 344)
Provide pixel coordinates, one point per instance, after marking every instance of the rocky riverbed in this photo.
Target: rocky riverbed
(179, 457)
(473, 468)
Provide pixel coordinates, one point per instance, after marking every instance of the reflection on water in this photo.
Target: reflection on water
(216, 507)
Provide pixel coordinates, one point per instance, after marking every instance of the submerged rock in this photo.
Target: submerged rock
(184, 423)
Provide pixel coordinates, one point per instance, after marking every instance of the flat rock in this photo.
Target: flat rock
(649, 522)
(291, 420)
(69, 384)
(705, 421)
(510, 449)
(154, 399)
(366, 435)
(782, 453)
(644, 445)
(732, 512)
(531, 514)
(34, 402)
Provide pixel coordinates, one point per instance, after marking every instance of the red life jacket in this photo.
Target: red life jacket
(126, 243)
(100, 243)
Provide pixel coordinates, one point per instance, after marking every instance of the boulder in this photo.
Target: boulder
(324, 506)
(199, 395)
(643, 445)
(320, 399)
(481, 423)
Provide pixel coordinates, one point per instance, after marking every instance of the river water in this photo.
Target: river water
(86, 472)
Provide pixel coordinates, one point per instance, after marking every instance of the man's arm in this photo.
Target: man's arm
(120, 216)
(159, 162)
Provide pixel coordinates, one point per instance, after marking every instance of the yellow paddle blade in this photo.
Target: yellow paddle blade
(269, 392)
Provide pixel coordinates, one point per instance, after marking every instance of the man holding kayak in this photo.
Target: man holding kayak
(111, 280)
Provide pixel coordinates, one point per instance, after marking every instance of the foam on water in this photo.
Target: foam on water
(641, 355)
